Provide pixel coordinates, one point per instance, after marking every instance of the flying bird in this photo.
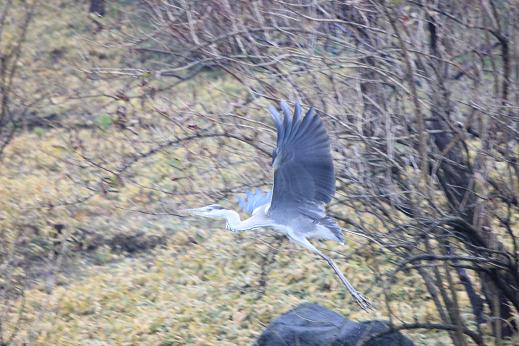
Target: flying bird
(304, 182)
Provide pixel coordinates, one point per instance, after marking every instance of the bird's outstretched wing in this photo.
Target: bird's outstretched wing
(253, 200)
(302, 161)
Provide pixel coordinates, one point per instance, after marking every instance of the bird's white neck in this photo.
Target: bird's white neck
(234, 223)
(232, 218)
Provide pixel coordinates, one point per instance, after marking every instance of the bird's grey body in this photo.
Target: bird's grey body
(304, 181)
(317, 226)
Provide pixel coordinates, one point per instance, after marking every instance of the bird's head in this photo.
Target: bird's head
(213, 211)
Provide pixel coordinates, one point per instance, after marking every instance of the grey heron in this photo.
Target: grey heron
(304, 182)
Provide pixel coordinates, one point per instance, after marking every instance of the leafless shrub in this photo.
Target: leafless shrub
(422, 101)
(14, 25)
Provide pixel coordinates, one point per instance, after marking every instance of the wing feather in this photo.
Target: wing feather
(303, 166)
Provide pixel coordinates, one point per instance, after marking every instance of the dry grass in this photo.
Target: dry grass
(203, 288)
(203, 285)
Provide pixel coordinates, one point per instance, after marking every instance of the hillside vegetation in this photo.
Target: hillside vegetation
(111, 125)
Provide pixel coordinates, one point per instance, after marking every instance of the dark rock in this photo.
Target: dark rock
(313, 325)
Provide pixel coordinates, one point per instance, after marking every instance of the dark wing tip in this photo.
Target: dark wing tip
(297, 112)
(284, 107)
(276, 116)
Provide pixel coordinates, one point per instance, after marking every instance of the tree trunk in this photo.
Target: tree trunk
(456, 176)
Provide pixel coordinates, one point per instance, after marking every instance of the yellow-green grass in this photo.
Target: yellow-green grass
(203, 288)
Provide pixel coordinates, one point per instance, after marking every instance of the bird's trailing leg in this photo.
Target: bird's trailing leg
(363, 302)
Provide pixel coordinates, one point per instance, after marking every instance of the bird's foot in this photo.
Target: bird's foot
(363, 302)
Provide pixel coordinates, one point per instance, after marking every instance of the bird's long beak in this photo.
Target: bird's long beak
(192, 211)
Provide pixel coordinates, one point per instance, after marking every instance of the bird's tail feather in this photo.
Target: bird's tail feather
(331, 225)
